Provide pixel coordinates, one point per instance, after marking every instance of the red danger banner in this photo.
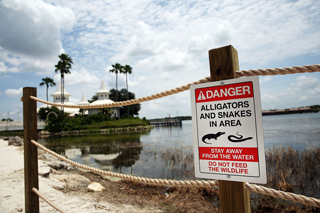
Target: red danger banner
(229, 154)
(224, 92)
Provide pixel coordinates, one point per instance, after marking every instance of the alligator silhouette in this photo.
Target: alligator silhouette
(238, 139)
(211, 136)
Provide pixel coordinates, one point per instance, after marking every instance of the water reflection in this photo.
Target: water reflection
(167, 152)
(108, 152)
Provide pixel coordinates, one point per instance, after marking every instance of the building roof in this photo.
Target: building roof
(58, 92)
(103, 88)
(84, 100)
(105, 101)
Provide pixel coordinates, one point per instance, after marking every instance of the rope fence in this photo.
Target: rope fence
(309, 201)
(186, 183)
(48, 201)
(242, 73)
(193, 183)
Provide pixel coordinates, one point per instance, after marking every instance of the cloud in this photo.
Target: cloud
(263, 79)
(302, 92)
(269, 98)
(13, 92)
(33, 27)
(303, 98)
(30, 38)
(80, 78)
(306, 83)
(74, 100)
(3, 68)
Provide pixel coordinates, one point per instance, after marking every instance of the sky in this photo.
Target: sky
(165, 42)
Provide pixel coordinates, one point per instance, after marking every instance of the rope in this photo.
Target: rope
(250, 187)
(47, 201)
(242, 73)
(309, 201)
(279, 71)
(185, 183)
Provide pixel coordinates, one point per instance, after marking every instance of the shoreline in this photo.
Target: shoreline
(43, 134)
(117, 130)
(12, 188)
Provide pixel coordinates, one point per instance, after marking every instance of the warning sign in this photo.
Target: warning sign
(227, 128)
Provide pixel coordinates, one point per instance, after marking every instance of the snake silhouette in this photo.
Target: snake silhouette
(238, 139)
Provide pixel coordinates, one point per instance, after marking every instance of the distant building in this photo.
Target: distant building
(57, 99)
(103, 98)
(84, 100)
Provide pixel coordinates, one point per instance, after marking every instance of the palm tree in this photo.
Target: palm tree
(127, 70)
(117, 68)
(48, 82)
(64, 66)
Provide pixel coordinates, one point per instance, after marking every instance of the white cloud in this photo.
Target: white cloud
(36, 27)
(269, 98)
(306, 83)
(74, 100)
(165, 76)
(80, 78)
(13, 69)
(30, 39)
(302, 92)
(264, 79)
(13, 92)
(303, 98)
(3, 68)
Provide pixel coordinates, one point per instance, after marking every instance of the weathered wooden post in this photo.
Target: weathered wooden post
(30, 151)
(233, 196)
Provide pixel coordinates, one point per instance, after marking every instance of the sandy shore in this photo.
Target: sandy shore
(12, 189)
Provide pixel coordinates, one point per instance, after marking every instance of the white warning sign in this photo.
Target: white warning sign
(227, 129)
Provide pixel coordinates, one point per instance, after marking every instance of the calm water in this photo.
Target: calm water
(166, 152)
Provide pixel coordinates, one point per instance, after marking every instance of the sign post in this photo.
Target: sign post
(228, 134)
(30, 151)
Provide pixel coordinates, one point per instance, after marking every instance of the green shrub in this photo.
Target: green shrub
(92, 122)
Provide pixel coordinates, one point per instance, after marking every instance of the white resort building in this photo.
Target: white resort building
(103, 98)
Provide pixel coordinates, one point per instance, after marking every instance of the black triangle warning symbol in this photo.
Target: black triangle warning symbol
(201, 96)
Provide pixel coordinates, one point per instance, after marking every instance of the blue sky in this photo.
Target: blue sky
(165, 42)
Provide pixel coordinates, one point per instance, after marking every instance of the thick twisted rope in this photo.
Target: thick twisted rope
(191, 183)
(279, 71)
(309, 201)
(242, 73)
(48, 201)
(194, 183)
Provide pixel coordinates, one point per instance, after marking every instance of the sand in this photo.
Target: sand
(12, 189)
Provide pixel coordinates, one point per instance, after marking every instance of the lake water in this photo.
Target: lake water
(167, 152)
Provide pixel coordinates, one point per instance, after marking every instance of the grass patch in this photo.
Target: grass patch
(12, 133)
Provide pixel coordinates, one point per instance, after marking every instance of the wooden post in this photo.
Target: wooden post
(30, 151)
(233, 196)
